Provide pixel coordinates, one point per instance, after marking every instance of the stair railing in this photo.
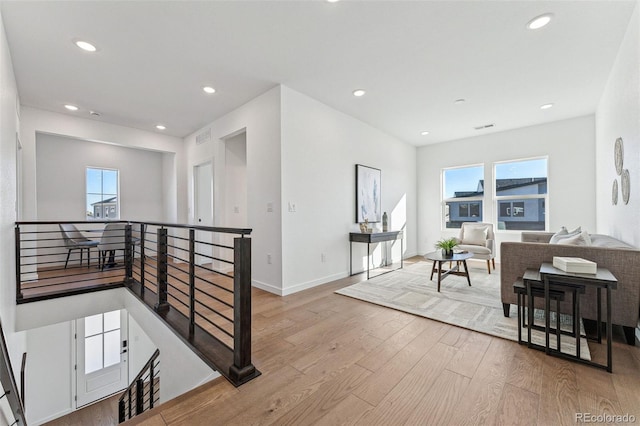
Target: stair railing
(144, 391)
(9, 387)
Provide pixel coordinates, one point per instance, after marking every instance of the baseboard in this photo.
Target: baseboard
(314, 283)
(51, 417)
(267, 287)
(306, 285)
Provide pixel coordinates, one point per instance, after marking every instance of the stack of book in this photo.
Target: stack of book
(575, 265)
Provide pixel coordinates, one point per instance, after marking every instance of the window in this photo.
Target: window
(102, 194)
(102, 341)
(462, 194)
(521, 194)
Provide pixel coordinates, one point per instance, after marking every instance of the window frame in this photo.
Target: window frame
(501, 198)
(102, 193)
(470, 200)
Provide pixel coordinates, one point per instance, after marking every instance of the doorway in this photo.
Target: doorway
(101, 356)
(203, 209)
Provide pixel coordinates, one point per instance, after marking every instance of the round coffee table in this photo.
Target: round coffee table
(439, 259)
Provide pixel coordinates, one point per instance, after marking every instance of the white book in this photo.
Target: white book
(576, 265)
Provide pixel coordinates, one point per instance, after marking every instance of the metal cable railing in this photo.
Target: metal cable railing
(144, 391)
(201, 274)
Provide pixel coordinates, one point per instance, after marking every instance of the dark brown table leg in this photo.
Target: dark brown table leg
(439, 274)
(433, 269)
(466, 272)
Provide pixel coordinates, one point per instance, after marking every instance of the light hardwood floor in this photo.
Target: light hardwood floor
(327, 359)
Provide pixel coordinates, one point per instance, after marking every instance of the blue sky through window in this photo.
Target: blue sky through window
(462, 179)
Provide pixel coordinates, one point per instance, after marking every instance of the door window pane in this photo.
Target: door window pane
(92, 325)
(111, 348)
(92, 354)
(111, 320)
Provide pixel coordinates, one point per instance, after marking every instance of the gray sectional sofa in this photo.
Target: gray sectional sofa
(620, 258)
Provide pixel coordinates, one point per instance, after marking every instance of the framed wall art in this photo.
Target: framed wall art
(368, 202)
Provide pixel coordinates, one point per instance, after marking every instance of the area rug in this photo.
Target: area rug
(476, 308)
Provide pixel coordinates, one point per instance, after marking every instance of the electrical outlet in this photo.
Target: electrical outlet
(268, 259)
(323, 257)
(269, 207)
(236, 209)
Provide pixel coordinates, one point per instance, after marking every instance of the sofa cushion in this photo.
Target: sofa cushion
(581, 239)
(599, 240)
(564, 233)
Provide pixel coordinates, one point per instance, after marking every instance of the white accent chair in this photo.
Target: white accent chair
(478, 238)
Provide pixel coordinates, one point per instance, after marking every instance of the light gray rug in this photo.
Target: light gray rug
(477, 307)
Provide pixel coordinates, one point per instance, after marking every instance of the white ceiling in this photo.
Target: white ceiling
(413, 58)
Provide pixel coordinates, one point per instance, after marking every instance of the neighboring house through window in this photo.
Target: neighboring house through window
(462, 193)
(102, 194)
(521, 194)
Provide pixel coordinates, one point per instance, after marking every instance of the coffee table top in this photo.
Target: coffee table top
(438, 256)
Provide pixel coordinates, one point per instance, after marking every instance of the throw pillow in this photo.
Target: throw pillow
(563, 233)
(581, 239)
(475, 235)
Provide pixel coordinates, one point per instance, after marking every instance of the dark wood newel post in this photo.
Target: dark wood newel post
(242, 369)
(192, 281)
(128, 254)
(162, 305)
(18, 271)
(142, 259)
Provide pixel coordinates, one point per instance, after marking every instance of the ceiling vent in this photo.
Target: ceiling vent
(203, 137)
(486, 126)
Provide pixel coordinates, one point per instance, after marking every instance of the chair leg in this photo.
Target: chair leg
(488, 266)
(81, 253)
(67, 261)
(493, 262)
(88, 257)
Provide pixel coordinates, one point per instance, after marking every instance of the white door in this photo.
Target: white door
(101, 356)
(203, 176)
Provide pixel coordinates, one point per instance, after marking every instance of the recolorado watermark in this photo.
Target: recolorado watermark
(605, 418)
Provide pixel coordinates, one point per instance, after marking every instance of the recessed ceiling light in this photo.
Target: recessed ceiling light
(359, 92)
(333, 1)
(94, 113)
(459, 101)
(71, 107)
(85, 45)
(546, 106)
(160, 127)
(539, 21)
(425, 133)
(209, 89)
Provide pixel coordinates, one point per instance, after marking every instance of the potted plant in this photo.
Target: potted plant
(447, 245)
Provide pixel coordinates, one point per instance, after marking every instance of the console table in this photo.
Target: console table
(372, 238)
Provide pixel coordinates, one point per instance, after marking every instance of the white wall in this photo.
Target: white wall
(320, 148)
(9, 118)
(140, 347)
(570, 147)
(49, 348)
(617, 117)
(48, 374)
(235, 181)
(61, 164)
(261, 119)
(35, 121)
